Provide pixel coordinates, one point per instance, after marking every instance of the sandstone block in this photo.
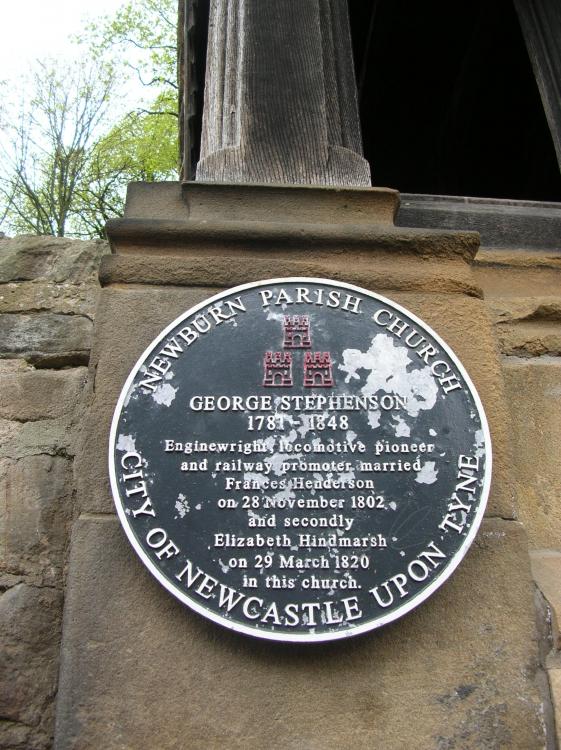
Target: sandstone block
(517, 274)
(458, 672)
(29, 628)
(527, 326)
(15, 736)
(8, 435)
(126, 322)
(536, 308)
(55, 259)
(533, 389)
(49, 339)
(11, 366)
(35, 508)
(388, 273)
(50, 437)
(532, 339)
(46, 296)
(555, 684)
(546, 570)
(30, 395)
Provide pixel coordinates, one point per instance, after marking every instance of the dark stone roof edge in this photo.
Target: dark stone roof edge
(525, 225)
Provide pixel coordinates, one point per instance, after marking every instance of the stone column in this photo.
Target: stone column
(280, 96)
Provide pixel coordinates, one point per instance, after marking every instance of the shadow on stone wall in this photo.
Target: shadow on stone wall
(48, 292)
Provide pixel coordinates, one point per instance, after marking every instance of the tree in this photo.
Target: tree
(142, 37)
(70, 152)
(46, 148)
(138, 147)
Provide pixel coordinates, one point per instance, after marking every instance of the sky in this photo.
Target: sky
(34, 29)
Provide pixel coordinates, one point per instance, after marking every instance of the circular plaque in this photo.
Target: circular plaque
(300, 460)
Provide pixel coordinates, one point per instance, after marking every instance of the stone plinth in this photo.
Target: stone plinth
(457, 672)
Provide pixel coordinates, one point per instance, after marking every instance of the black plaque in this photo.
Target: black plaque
(300, 460)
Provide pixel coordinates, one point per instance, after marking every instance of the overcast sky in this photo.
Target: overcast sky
(41, 28)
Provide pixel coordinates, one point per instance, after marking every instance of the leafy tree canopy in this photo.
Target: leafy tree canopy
(66, 156)
(142, 35)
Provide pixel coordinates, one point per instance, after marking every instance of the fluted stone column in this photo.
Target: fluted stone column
(280, 95)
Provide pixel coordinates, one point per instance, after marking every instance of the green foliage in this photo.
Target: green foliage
(68, 159)
(143, 37)
(47, 146)
(140, 147)
(143, 144)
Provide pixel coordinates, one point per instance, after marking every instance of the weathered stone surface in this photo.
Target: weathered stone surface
(525, 309)
(281, 103)
(544, 639)
(29, 395)
(219, 237)
(555, 685)
(49, 437)
(289, 204)
(546, 570)
(11, 366)
(533, 389)
(458, 672)
(511, 260)
(388, 273)
(45, 318)
(35, 509)
(197, 220)
(507, 278)
(8, 434)
(30, 634)
(530, 339)
(55, 259)
(14, 736)
(528, 326)
(121, 338)
(522, 291)
(49, 339)
(44, 296)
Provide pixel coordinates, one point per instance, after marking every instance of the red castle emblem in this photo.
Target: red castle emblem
(297, 332)
(277, 366)
(318, 370)
(278, 370)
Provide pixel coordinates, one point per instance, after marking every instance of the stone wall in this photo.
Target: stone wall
(48, 294)
(48, 290)
(523, 293)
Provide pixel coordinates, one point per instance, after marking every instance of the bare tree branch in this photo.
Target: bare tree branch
(49, 147)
